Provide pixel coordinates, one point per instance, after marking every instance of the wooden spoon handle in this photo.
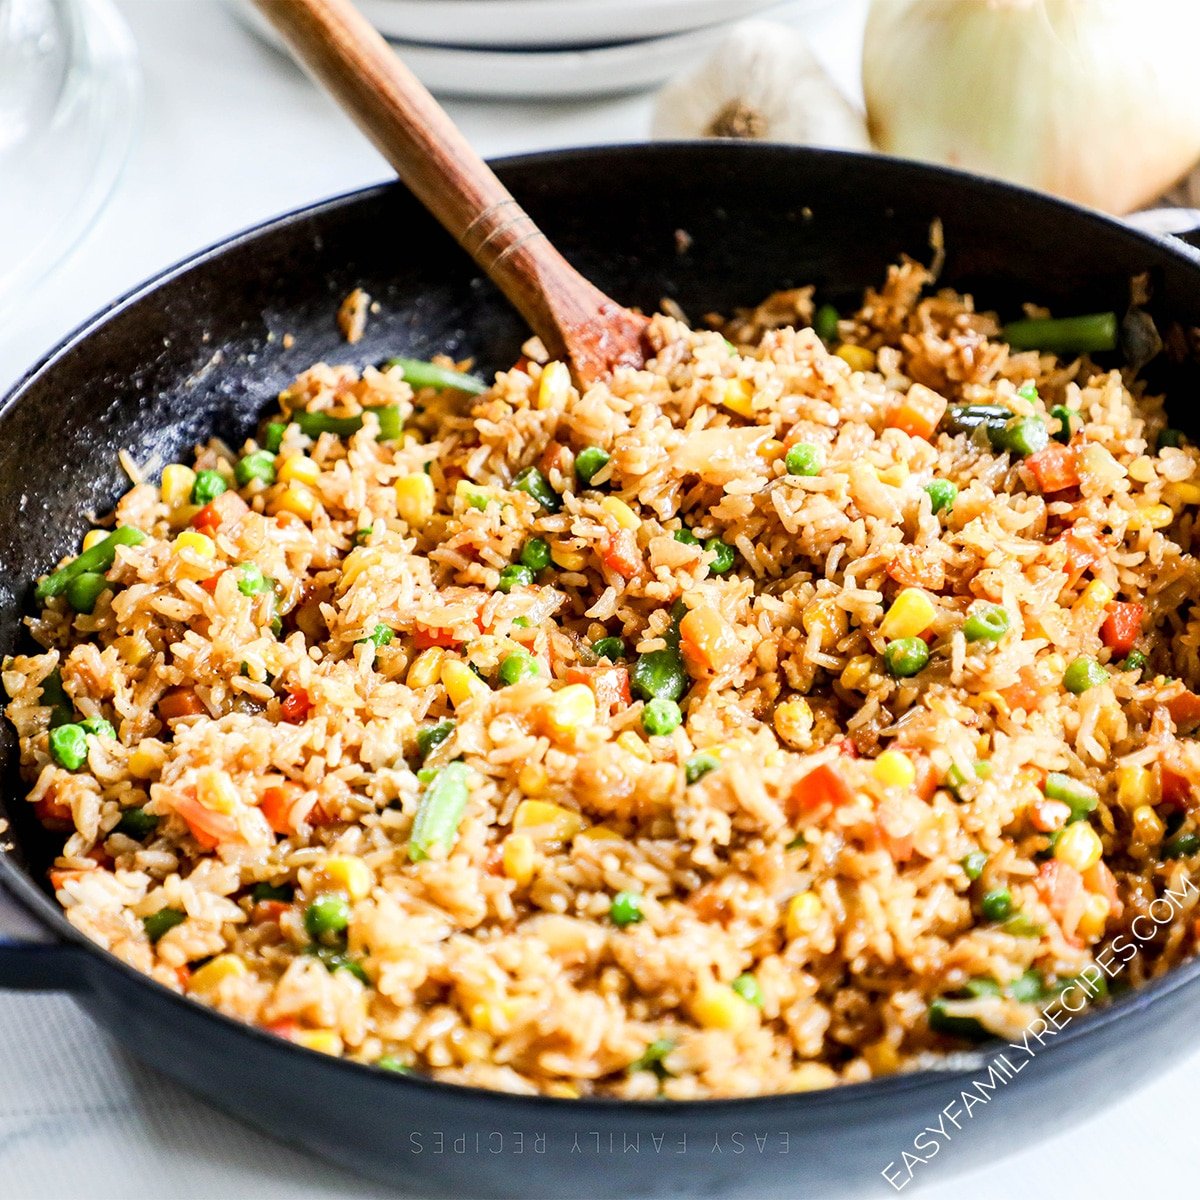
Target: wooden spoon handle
(345, 53)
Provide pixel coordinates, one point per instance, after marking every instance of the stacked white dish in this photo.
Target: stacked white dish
(554, 48)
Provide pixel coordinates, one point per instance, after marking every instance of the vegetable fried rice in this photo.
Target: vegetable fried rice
(772, 717)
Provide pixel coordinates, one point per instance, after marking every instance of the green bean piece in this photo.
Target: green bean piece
(1089, 334)
(251, 580)
(283, 892)
(1028, 391)
(272, 437)
(699, 765)
(1082, 674)
(69, 746)
(533, 483)
(748, 987)
(942, 1019)
(1182, 845)
(327, 918)
(313, 424)
(590, 462)
(659, 674)
(57, 700)
(966, 418)
(389, 1062)
(439, 812)
(1020, 435)
(661, 717)
(825, 323)
(136, 823)
(651, 1059)
(421, 374)
(1135, 660)
(433, 735)
(208, 486)
(612, 648)
(156, 924)
(535, 554)
(1173, 438)
(989, 623)
(362, 535)
(1062, 414)
(1080, 798)
(942, 494)
(996, 905)
(85, 589)
(99, 558)
(1028, 986)
(379, 637)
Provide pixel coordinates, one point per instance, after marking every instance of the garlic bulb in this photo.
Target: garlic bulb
(1094, 100)
(761, 82)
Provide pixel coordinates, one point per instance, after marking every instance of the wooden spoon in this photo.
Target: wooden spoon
(574, 319)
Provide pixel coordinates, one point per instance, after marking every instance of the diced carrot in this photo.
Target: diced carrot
(1184, 708)
(209, 828)
(180, 702)
(269, 910)
(210, 584)
(1046, 816)
(918, 412)
(1054, 468)
(610, 686)
(287, 806)
(285, 1028)
(296, 706)
(706, 640)
(423, 638)
(1122, 625)
(822, 785)
(1176, 788)
(207, 520)
(621, 554)
(1082, 549)
(913, 566)
(1059, 886)
(58, 877)
(848, 747)
(184, 974)
(53, 812)
(1026, 693)
(895, 832)
(928, 778)
(1100, 880)
(222, 513)
(522, 364)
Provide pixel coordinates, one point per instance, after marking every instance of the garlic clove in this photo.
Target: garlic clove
(761, 83)
(1094, 100)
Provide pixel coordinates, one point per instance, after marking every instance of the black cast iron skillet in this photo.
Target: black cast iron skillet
(200, 351)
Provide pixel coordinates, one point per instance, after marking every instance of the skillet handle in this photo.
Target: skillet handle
(32, 959)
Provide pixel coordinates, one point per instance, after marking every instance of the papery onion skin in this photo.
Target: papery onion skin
(1097, 101)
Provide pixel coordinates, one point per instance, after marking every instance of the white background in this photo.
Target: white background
(231, 135)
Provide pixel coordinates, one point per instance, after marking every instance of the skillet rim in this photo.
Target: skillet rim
(30, 895)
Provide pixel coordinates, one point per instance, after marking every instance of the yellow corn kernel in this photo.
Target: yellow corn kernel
(532, 779)
(518, 858)
(771, 449)
(826, 618)
(199, 544)
(1183, 493)
(181, 517)
(414, 499)
(1095, 917)
(632, 744)
(216, 791)
(544, 821)
(494, 1016)
(1148, 827)
(716, 1006)
(811, 1077)
(894, 769)
(325, 1041)
(1135, 786)
(858, 358)
(568, 559)
(1153, 516)
(299, 468)
(347, 873)
(427, 668)
(600, 833)
(882, 1057)
(92, 537)
(737, 395)
(620, 512)
(297, 500)
(912, 612)
(563, 1090)
(553, 386)
(177, 484)
(1079, 846)
(803, 912)
(1097, 594)
(793, 722)
(147, 759)
(1054, 665)
(894, 475)
(856, 670)
(134, 648)
(461, 683)
(571, 708)
(207, 978)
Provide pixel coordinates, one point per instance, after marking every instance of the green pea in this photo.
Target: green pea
(997, 904)
(433, 735)
(379, 637)
(659, 673)
(272, 891)
(208, 486)
(478, 501)
(251, 580)
(85, 589)
(906, 657)
(1020, 925)
(724, 556)
(750, 990)
(699, 765)
(514, 575)
(825, 323)
(1021, 436)
(651, 1059)
(156, 924)
(99, 727)
(389, 1062)
(338, 960)
(327, 917)
(1170, 437)
(804, 459)
(1082, 674)
(612, 648)
(272, 437)
(1182, 845)
(687, 537)
(590, 462)
(942, 494)
(1078, 796)
(1028, 391)
(661, 717)
(1062, 414)
(973, 864)
(69, 746)
(988, 623)
(626, 909)
(522, 622)
(517, 666)
(533, 483)
(260, 465)
(535, 554)
(136, 823)
(1135, 660)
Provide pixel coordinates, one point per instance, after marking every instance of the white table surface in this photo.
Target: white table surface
(231, 135)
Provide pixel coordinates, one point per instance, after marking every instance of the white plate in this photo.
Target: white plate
(541, 23)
